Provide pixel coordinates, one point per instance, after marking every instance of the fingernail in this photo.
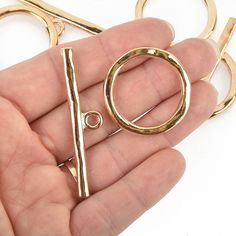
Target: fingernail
(215, 46)
(171, 27)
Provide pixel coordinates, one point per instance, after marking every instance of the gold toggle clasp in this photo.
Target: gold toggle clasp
(223, 42)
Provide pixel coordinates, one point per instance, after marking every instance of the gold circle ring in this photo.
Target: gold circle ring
(47, 22)
(211, 22)
(109, 87)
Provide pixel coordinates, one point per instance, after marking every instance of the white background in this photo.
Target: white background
(204, 202)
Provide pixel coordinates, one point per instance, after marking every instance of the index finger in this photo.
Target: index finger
(37, 86)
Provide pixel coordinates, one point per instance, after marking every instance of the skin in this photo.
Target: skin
(127, 173)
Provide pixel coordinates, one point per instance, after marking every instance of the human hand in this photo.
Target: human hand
(127, 173)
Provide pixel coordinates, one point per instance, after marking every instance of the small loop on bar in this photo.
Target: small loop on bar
(60, 26)
(92, 114)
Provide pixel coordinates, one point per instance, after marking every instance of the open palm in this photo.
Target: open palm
(127, 173)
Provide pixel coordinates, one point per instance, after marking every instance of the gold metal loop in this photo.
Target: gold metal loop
(113, 73)
(92, 114)
(211, 9)
(60, 26)
(47, 22)
(64, 16)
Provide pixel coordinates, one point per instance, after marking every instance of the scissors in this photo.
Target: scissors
(222, 43)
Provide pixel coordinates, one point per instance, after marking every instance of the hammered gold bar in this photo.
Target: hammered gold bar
(64, 16)
(227, 34)
(77, 123)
